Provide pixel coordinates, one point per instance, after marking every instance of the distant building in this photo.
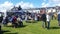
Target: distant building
(47, 9)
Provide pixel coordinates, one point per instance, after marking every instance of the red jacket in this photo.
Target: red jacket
(14, 19)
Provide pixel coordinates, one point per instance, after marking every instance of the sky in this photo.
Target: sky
(8, 4)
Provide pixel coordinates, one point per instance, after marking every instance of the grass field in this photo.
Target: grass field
(33, 28)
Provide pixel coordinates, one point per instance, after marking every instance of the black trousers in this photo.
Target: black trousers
(20, 23)
(14, 24)
(0, 28)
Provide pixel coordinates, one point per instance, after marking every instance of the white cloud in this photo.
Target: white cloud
(6, 5)
(54, 1)
(51, 3)
(45, 5)
(25, 5)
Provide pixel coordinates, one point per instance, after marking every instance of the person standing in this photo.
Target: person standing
(52, 15)
(43, 18)
(1, 19)
(35, 17)
(58, 18)
(48, 20)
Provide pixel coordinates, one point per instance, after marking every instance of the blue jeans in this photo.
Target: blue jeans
(48, 24)
(59, 23)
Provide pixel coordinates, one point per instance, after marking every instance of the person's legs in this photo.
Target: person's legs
(59, 23)
(14, 25)
(52, 17)
(48, 25)
(0, 29)
(21, 23)
(45, 24)
(0, 26)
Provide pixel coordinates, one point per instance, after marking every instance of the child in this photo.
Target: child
(48, 20)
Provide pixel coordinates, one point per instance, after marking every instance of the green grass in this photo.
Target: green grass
(33, 28)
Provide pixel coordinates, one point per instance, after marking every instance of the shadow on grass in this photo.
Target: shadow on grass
(19, 26)
(5, 32)
(31, 21)
(2, 32)
(22, 26)
(54, 28)
(8, 26)
(11, 33)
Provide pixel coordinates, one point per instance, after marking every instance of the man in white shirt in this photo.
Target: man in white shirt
(48, 20)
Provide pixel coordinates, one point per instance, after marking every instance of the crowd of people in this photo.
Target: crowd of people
(17, 21)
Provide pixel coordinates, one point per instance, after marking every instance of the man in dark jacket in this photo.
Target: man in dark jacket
(43, 17)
